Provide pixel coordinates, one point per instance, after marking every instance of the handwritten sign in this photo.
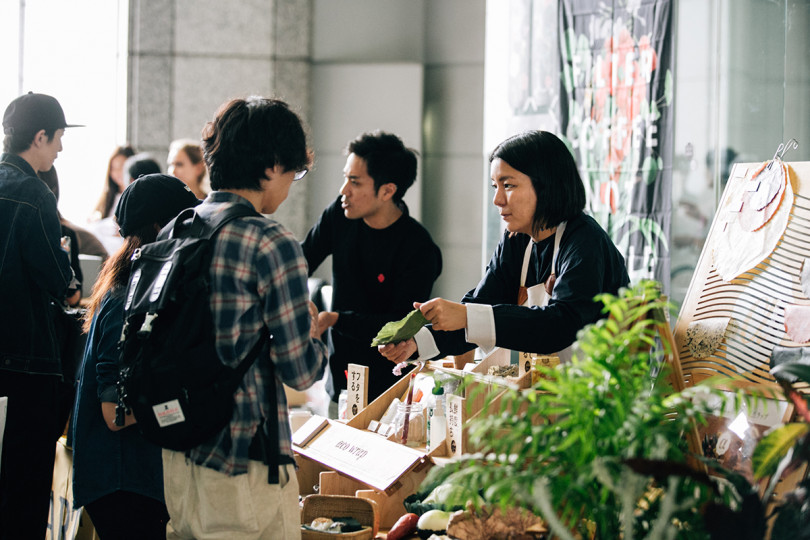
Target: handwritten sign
(362, 455)
(455, 421)
(357, 395)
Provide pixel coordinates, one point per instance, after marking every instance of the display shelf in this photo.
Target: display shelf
(349, 458)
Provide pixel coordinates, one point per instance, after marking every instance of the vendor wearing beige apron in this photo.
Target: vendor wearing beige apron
(549, 243)
(539, 295)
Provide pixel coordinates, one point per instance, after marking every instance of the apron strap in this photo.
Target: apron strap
(558, 234)
(527, 256)
(557, 237)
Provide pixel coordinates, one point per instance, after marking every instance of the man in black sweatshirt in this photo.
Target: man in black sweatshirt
(383, 260)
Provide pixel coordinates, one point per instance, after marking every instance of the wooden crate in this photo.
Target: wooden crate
(336, 506)
(356, 462)
(349, 459)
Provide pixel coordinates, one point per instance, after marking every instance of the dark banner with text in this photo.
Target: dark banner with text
(616, 114)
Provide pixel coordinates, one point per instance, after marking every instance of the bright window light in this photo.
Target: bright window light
(739, 425)
(75, 51)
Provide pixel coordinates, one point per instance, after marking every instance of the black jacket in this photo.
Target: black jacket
(33, 270)
(588, 263)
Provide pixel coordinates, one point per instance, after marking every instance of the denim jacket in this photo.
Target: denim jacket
(33, 269)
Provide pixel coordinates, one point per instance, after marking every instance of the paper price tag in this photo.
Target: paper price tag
(455, 423)
(357, 390)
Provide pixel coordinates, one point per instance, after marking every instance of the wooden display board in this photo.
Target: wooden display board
(754, 301)
(733, 316)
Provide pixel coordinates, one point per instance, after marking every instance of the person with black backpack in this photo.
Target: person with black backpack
(117, 475)
(240, 483)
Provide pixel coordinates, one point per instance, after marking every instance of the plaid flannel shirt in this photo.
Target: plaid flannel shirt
(259, 278)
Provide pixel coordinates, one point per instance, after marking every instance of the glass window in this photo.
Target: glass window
(76, 52)
(742, 87)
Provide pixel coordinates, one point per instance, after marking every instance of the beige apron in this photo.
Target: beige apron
(539, 295)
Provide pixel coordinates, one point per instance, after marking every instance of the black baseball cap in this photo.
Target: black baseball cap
(152, 198)
(34, 112)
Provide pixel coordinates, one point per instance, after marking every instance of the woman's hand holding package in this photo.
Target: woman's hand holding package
(444, 314)
(398, 352)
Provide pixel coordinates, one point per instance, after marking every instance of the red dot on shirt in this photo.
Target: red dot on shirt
(380, 278)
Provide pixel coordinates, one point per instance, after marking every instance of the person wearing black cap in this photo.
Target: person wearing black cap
(117, 475)
(34, 270)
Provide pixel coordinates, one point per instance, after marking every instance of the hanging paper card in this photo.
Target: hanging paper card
(760, 205)
(797, 323)
(736, 249)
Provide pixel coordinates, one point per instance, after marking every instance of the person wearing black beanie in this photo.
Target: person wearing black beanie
(117, 475)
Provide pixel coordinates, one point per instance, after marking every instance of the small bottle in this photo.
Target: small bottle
(437, 421)
(342, 404)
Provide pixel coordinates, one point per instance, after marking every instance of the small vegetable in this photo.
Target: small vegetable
(433, 520)
(401, 330)
(403, 527)
(444, 494)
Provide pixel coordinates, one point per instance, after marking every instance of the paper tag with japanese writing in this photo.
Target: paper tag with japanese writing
(455, 423)
(168, 413)
(357, 386)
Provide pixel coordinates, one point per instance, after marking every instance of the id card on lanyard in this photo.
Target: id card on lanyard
(539, 295)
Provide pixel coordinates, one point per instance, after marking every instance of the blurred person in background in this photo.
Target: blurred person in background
(106, 229)
(82, 240)
(114, 184)
(185, 162)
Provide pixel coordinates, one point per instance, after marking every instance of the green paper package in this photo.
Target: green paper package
(404, 329)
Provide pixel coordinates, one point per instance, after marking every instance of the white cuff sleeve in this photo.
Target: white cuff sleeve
(481, 326)
(425, 344)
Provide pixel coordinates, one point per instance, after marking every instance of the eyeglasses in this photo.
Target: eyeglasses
(300, 174)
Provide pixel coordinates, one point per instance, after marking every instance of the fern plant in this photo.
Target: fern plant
(597, 447)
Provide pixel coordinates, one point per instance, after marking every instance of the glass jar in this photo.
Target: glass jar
(410, 424)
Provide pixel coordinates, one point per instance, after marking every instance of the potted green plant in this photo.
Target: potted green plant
(785, 449)
(598, 449)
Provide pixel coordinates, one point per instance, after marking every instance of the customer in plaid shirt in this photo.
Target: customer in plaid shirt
(241, 484)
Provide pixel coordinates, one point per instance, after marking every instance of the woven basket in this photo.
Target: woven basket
(332, 506)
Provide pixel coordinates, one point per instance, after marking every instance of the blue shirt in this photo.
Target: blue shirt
(258, 279)
(105, 461)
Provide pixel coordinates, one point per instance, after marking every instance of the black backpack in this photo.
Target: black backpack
(170, 375)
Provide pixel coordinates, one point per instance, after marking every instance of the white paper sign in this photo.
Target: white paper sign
(362, 455)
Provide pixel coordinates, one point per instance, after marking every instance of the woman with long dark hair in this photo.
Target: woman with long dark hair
(114, 184)
(117, 475)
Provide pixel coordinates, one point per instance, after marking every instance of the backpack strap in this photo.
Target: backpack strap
(190, 224)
